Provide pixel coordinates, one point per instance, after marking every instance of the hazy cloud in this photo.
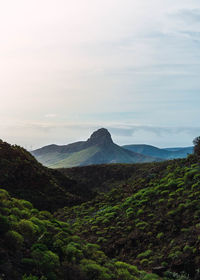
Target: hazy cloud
(189, 15)
(50, 115)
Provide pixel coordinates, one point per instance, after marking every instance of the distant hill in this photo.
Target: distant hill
(166, 153)
(183, 149)
(98, 149)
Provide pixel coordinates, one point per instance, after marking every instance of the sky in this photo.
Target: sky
(69, 67)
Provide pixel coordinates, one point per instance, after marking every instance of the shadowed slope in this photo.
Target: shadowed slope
(26, 178)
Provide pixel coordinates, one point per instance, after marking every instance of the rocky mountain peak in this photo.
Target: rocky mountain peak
(100, 136)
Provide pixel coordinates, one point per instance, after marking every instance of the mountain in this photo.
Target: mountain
(184, 149)
(166, 153)
(26, 178)
(98, 149)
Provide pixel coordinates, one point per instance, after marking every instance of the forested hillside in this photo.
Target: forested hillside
(117, 222)
(151, 220)
(34, 245)
(47, 189)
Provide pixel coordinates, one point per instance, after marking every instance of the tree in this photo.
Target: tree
(196, 143)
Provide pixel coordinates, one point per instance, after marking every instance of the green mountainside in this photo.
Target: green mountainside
(47, 189)
(34, 245)
(150, 220)
(104, 222)
(98, 149)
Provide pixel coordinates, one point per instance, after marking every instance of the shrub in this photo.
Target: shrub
(130, 212)
(25, 213)
(38, 222)
(91, 248)
(144, 262)
(3, 194)
(45, 260)
(196, 143)
(131, 268)
(175, 276)
(16, 211)
(73, 251)
(14, 239)
(141, 225)
(4, 225)
(175, 255)
(124, 274)
(27, 228)
(187, 248)
(45, 215)
(150, 276)
(30, 277)
(140, 211)
(40, 246)
(94, 270)
(147, 253)
(160, 235)
(26, 204)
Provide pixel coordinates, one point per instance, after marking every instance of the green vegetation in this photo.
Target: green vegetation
(27, 179)
(45, 248)
(108, 222)
(76, 158)
(196, 143)
(150, 220)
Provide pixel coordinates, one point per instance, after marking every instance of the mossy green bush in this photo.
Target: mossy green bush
(146, 253)
(93, 270)
(4, 224)
(28, 229)
(160, 235)
(14, 239)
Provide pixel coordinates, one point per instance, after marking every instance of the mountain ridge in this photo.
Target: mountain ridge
(98, 149)
(164, 153)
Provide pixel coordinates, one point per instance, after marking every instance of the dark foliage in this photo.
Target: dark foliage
(25, 178)
(36, 246)
(196, 143)
(151, 219)
(109, 220)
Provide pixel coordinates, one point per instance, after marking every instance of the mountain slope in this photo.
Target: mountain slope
(150, 220)
(36, 246)
(148, 217)
(98, 149)
(26, 178)
(168, 153)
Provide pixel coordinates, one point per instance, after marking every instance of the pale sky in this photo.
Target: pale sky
(70, 67)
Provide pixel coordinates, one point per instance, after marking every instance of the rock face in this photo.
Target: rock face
(100, 137)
